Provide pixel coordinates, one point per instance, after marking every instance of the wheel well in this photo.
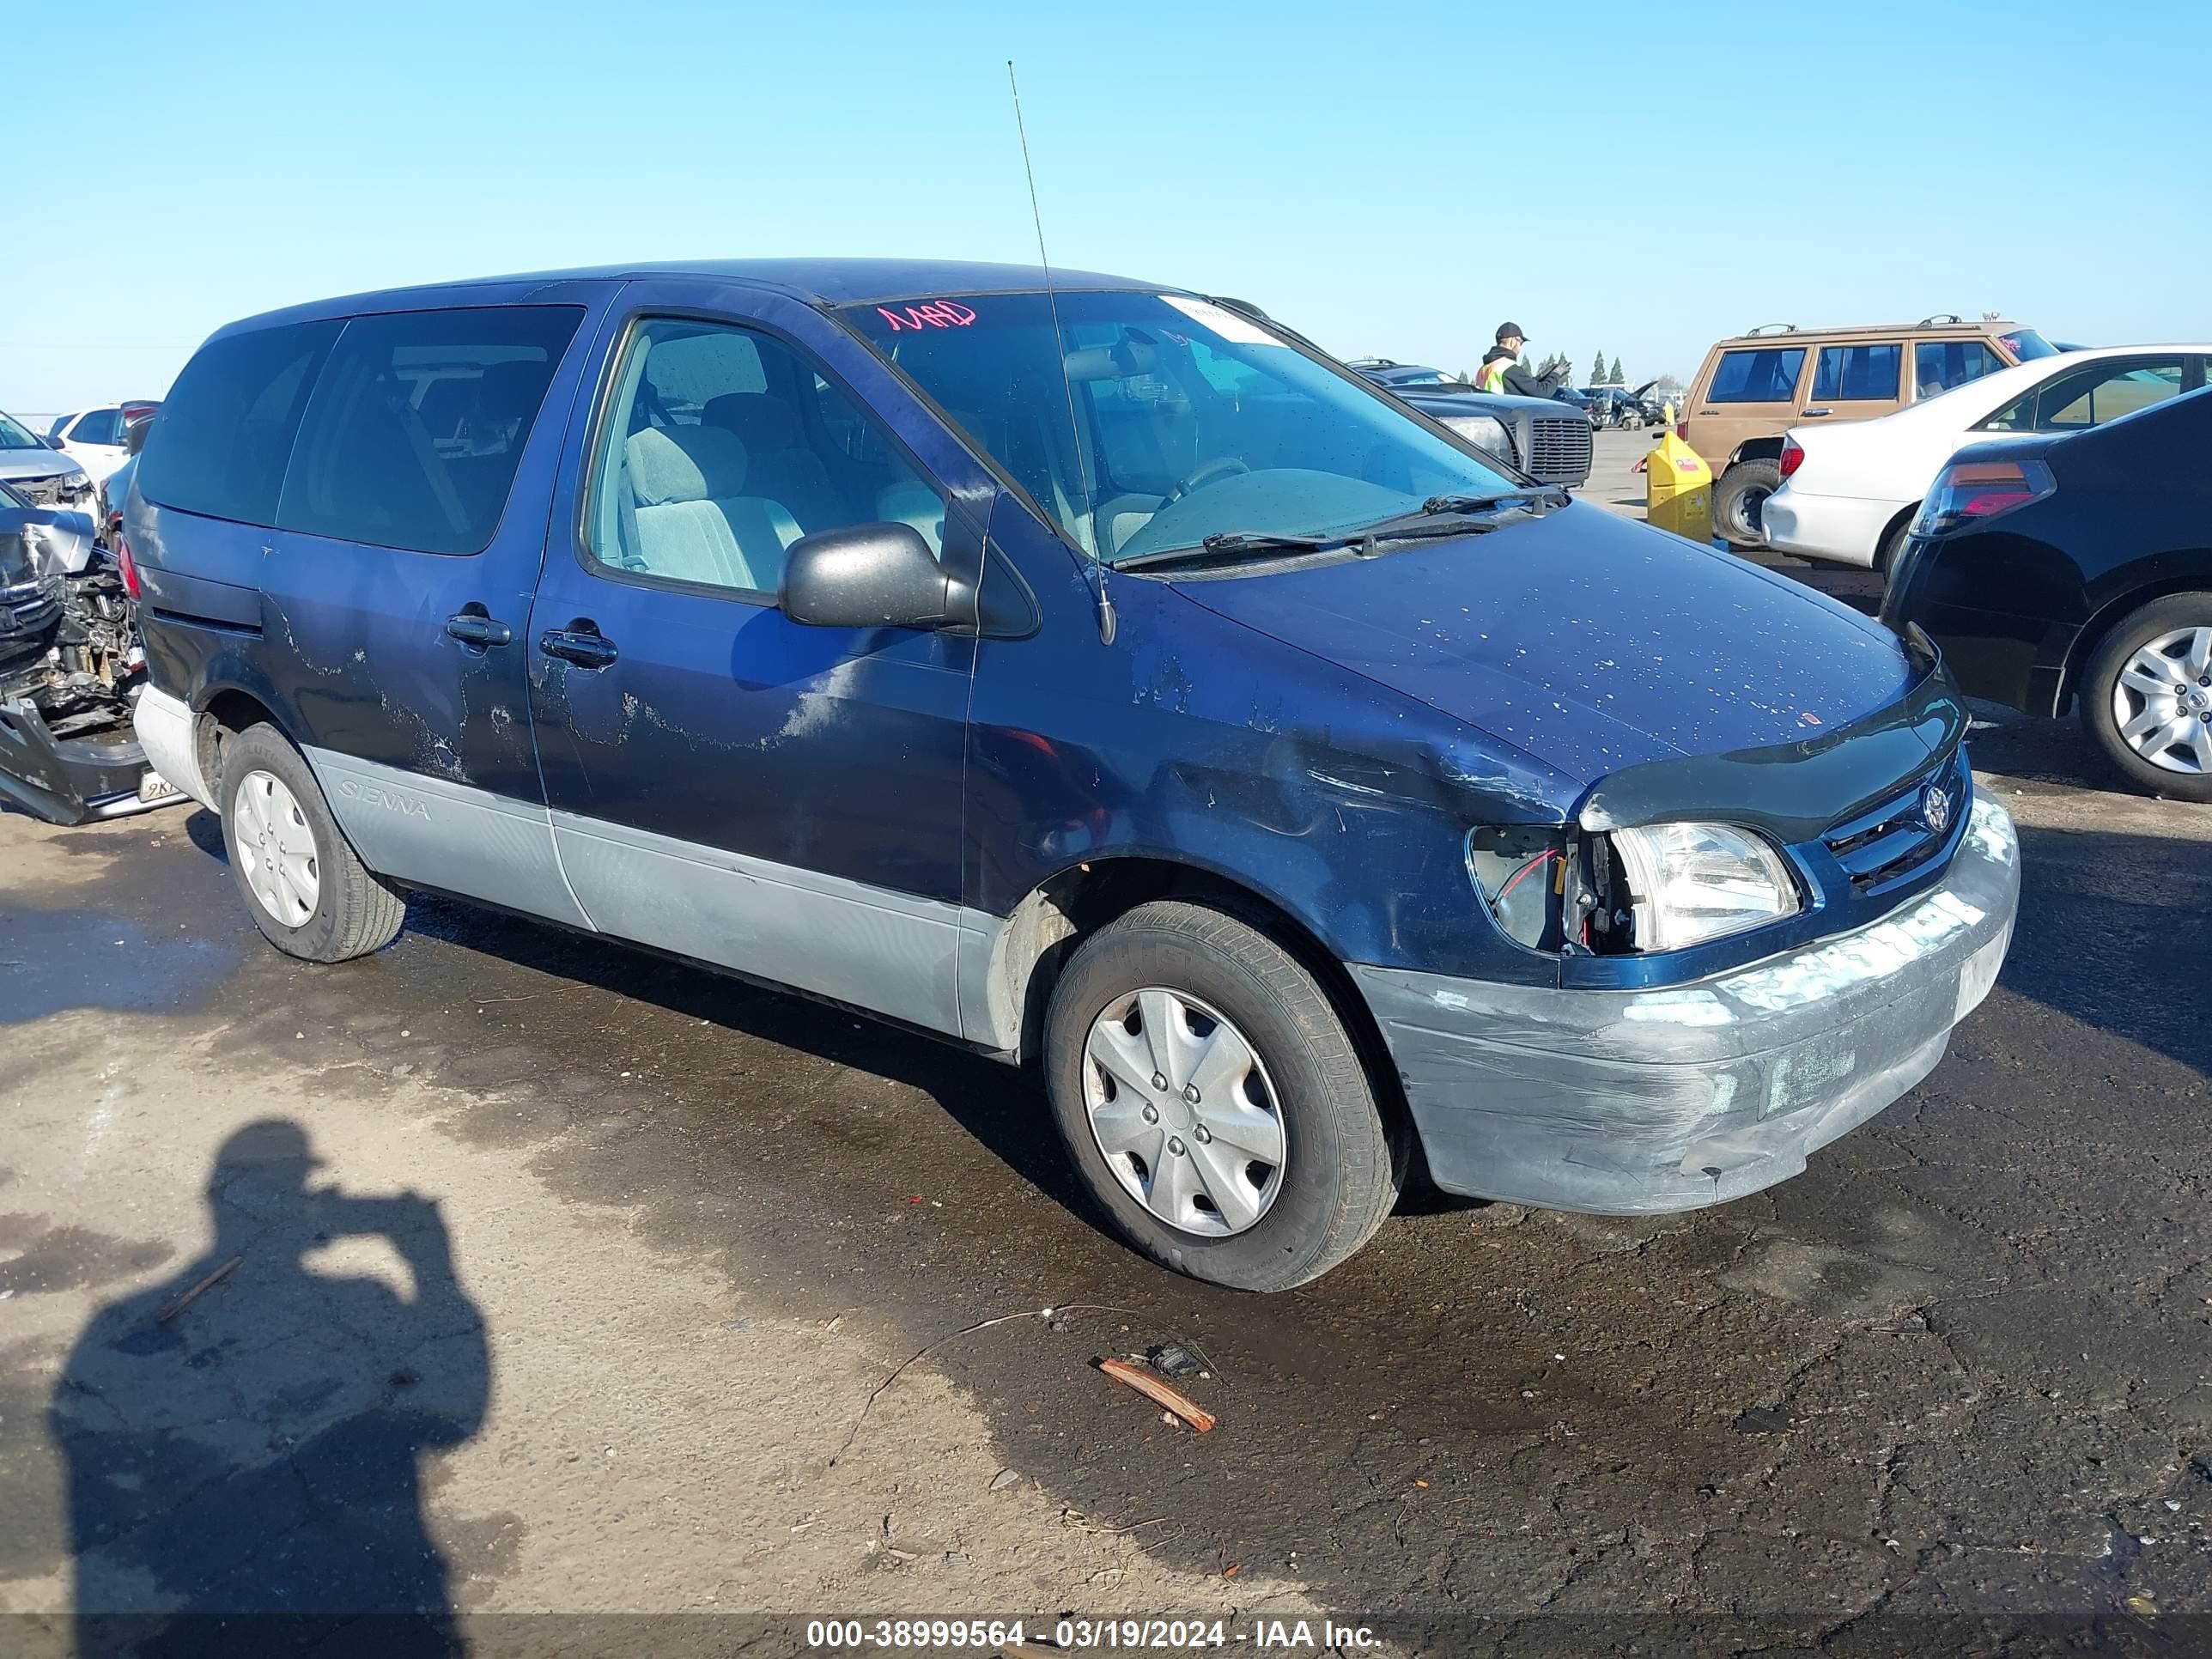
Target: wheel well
(1881, 542)
(2111, 616)
(1757, 449)
(226, 715)
(1046, 927)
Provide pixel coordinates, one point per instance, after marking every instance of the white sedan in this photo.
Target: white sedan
(93, 438)
(1849, 492)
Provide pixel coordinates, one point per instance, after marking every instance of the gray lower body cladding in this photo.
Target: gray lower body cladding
(1632, 1102)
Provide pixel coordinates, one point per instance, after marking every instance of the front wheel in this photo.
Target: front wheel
(308, 894)
(2147, 698)
(1214, 1102)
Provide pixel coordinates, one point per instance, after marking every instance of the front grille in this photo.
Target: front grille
(29, 608)
(1560, 451)
(1894, 841)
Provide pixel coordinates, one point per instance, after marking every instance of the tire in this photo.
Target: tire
(353, 911)
(1884, 557)
(2188, 693)
(1340, 1168)
(1738, 499)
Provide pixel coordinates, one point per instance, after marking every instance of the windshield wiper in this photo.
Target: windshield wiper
(1226, 545)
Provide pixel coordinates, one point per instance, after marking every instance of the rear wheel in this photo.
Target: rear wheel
(1884, 557)
(310, 897)
(2147, 698)
(1740, 498)
(1214, 1102)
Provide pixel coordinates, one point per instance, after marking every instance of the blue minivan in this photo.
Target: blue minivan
(1091, 673)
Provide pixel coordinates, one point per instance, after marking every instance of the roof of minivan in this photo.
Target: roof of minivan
(819, 281)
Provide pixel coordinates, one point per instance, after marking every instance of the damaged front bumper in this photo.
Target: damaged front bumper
(73, 780)
(1631, 1101)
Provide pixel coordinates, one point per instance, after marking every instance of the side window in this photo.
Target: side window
(1767, 374)
(2091, 396)
(722, 445)
(220, 444)
(96, 428)
(2018, 416)
(1859, 372)
(1938, 365)
(413, 434)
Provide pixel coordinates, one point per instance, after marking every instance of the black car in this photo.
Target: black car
(2053, 568)
(1620, 406)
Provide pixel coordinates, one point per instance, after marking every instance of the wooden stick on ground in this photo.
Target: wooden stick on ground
(210, 1282)
(1160, 1393)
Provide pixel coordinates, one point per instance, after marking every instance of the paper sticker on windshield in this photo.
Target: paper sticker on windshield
(933, 314)
(1236, 330)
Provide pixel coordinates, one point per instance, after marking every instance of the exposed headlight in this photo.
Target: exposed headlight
(1484, 431)
(1689, 883)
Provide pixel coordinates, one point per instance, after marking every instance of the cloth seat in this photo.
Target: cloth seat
(912, 502)
(692, 521)
(779, 458)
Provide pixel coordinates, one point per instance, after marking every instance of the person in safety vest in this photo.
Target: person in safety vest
(1501, 370)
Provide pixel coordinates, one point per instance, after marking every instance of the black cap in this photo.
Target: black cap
(1507, 330)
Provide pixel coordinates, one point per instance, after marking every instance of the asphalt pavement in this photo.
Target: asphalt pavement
(522, 1279)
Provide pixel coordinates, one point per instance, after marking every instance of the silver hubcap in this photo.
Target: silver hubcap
(276, 848)
(1183, 1113)
(2162, 700)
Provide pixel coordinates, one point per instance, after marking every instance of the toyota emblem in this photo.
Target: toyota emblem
(1936, 808)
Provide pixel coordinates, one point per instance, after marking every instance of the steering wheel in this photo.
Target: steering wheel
(1212, 472)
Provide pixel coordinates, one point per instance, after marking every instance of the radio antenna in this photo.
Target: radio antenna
(1108, 620)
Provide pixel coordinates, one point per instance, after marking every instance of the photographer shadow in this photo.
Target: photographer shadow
(245, 1469)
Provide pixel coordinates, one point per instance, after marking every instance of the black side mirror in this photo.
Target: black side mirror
(865, 575)
(134, 436)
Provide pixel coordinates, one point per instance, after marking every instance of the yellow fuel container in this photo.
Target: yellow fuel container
(1678, 488)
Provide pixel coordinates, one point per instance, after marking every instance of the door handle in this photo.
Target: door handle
(474, 628)
(584, 646)
(1815, 414)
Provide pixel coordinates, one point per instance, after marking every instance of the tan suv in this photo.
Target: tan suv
(1755, 386)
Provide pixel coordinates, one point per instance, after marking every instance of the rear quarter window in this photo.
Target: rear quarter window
(1940, 364)
(417, 423)
(223, 435)
(1764, 374)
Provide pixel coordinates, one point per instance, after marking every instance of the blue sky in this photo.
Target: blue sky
(1389, 178)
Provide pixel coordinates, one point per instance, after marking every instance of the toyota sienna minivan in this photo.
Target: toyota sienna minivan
(1088, 672)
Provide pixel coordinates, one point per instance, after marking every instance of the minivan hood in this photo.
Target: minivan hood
(1585, 641)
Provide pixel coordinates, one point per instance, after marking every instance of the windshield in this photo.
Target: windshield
(2026, 346)
(14, 435)
(1176, 420)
